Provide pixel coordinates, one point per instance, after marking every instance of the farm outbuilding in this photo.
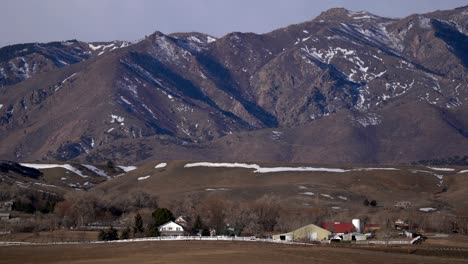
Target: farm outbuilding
(339, 227)
(309, 232)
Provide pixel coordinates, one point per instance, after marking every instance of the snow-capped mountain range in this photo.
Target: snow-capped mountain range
(344, 87)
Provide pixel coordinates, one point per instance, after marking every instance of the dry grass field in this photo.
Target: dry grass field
(50, 236)
(416, 184)
(205, 252)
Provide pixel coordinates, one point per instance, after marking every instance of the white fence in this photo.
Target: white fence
(383, 242)
(163, 238)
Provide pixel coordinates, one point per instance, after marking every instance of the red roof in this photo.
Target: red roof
(338, 227)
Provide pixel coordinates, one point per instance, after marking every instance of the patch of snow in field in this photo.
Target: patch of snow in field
(438, 176)
(463, 171)
(441, 169)
(1, 106)
(110, 130)
(143, 178)
(95, 170)
(222, 165)
(293, 169)
(128, 168)
(63, 178)
(327, 195)
(160, 165)
(302, 187)
(375, 169)
(343, 198)
(307, 193)
(336, 208)
(258, 169)
(276, 135)
(427, 209)
(44, 185)
(216, 189)
(51, 166)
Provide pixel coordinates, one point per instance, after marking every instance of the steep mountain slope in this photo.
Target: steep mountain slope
(343, 87)
(22, 61)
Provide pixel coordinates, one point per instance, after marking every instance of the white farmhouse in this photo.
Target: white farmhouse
(171, 229)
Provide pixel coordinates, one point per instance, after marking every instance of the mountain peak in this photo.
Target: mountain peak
(334, 13)
(345, 15)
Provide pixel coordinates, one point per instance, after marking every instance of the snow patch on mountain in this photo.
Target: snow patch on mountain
(51, 166)
(259, 169)
(96, 170)
(210, 39)
(427, 209)
(216, 189)
(117, 119)
(369, 119)
(128, 168)
(160, 165)
(143, 178)
(441, 169)
(424, 22)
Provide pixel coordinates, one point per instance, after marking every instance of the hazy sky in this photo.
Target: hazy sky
(94, 20)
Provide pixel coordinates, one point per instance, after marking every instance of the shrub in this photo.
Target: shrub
(108, 235)
(125, 233)
(366, 202)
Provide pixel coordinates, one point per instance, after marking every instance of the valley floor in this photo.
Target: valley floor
(206, 252)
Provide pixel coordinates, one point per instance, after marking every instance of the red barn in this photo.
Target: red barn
(338, 227)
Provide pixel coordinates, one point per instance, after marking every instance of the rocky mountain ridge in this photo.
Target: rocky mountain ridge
(343, 87)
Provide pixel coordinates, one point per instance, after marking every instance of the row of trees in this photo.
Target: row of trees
(29, 200)
(81, 208)
(259, 217)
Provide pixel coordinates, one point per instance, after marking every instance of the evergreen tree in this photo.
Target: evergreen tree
(162, 216)
(197, 225)
(205, 232)
(125, 233)
(153, 231)
(102, 236)
(108, 235)
(112, 234)
(138, 225)
(373, 203)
